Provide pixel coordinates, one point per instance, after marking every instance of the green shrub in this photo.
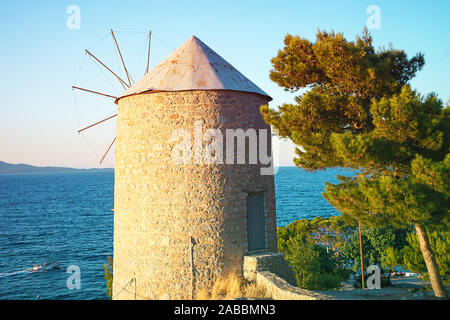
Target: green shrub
(316, 266)
(109, 276)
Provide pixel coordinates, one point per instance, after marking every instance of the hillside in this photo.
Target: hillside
(8, 168)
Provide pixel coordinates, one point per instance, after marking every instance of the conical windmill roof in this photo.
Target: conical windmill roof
(194, 66)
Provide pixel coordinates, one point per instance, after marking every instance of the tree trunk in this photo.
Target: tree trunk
(432, 267)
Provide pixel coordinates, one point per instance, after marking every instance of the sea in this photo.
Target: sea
(66, 220)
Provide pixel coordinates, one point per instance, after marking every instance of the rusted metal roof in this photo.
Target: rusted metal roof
(194, 66)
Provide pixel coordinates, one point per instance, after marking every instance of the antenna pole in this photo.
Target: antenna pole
(192, 265)
(121, 81)
(148, 55)
(97, 123)
(362, 259)
(120, 54)
(103, 158)
(102, 94)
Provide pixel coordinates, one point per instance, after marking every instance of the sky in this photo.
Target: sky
(42, 56)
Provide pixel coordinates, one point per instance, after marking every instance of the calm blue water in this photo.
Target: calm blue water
(55, 217)
(299, 194)
(68, 218)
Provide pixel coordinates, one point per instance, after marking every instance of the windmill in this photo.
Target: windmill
(124, 84)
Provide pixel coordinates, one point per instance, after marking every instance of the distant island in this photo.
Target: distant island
(9, 168)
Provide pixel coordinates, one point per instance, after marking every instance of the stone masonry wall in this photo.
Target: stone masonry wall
(179, 226)
(273, 262)
(278, 288)
(273, 273)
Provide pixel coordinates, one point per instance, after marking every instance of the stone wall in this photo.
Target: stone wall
(272, 272)
(278, 288)
(179, 226)
(272, 262)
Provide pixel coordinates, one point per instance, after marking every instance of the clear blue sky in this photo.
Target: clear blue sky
(40, 58)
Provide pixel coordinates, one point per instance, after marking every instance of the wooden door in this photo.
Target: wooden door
(255, 221)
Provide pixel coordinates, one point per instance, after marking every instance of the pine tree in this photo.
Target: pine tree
(359, 112)
(410, 255)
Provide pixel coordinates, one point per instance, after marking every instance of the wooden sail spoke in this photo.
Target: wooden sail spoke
(124, 84)
(94, 124)
(96, 92)
(121, 58)
(148, 54)
(109, 148)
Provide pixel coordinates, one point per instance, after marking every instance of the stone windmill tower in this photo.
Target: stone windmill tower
(180, 224)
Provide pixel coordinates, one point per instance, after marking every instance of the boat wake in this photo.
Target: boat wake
(46, 267)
